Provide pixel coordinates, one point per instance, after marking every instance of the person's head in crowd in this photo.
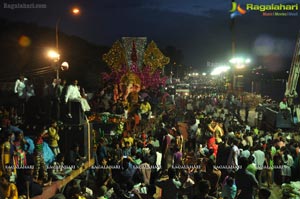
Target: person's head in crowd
(125, 163)
(269, 141)
(9, 136)
(19, 135)
(235, 141)
(75, 82)
(210, 165)
(243, 162)
(264, 193)
(145, 159)
(150, 146)
(125, 134)
(275, 141)
(231, 174)
(133, 151)
(60, 158)
(176, 149)
(192, 121)
(4, 180)
(127, 145)
(41, 130)
(171, 173)
(246, 147)
(251, 159)
(281, 139)
(103, 161)
(224, 139)
(230, 181)
(53, 123)
(282, 150)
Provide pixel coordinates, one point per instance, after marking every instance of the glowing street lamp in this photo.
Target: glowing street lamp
(76, 11)
(53, 55)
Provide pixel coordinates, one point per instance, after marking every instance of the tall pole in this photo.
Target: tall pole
(75, 11)
(232, 28)
(57, 46)
(233, 47)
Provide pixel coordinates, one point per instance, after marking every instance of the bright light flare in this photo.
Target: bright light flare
(239, 62)
(219, 70)
(53, 55)
(76, 11)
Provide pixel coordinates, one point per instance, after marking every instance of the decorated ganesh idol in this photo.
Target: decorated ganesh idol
(134, 65)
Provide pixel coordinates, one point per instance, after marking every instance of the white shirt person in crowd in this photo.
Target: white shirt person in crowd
(20, 90)
(73, 94)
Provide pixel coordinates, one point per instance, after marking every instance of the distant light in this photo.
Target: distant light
(239, 62)
(219, 70)
(204, 74)
(76, 11)
(24, 41)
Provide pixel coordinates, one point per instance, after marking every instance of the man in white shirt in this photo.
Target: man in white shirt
(259, 161)
(232, 161)
(20, 90)
(73, 94)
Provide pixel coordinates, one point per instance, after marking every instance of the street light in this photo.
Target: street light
(74, 11)
(53, 55)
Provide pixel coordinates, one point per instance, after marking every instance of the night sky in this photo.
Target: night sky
(201, 29)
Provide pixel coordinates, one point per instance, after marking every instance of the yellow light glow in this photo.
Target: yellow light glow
(24, 41)
(53, 55)
(76, 11)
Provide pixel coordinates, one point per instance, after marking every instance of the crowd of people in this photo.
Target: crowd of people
(191, 147)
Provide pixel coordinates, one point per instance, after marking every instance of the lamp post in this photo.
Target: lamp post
(74, 11)
(55, 56)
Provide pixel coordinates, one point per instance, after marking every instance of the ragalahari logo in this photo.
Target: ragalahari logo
(236, 10)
